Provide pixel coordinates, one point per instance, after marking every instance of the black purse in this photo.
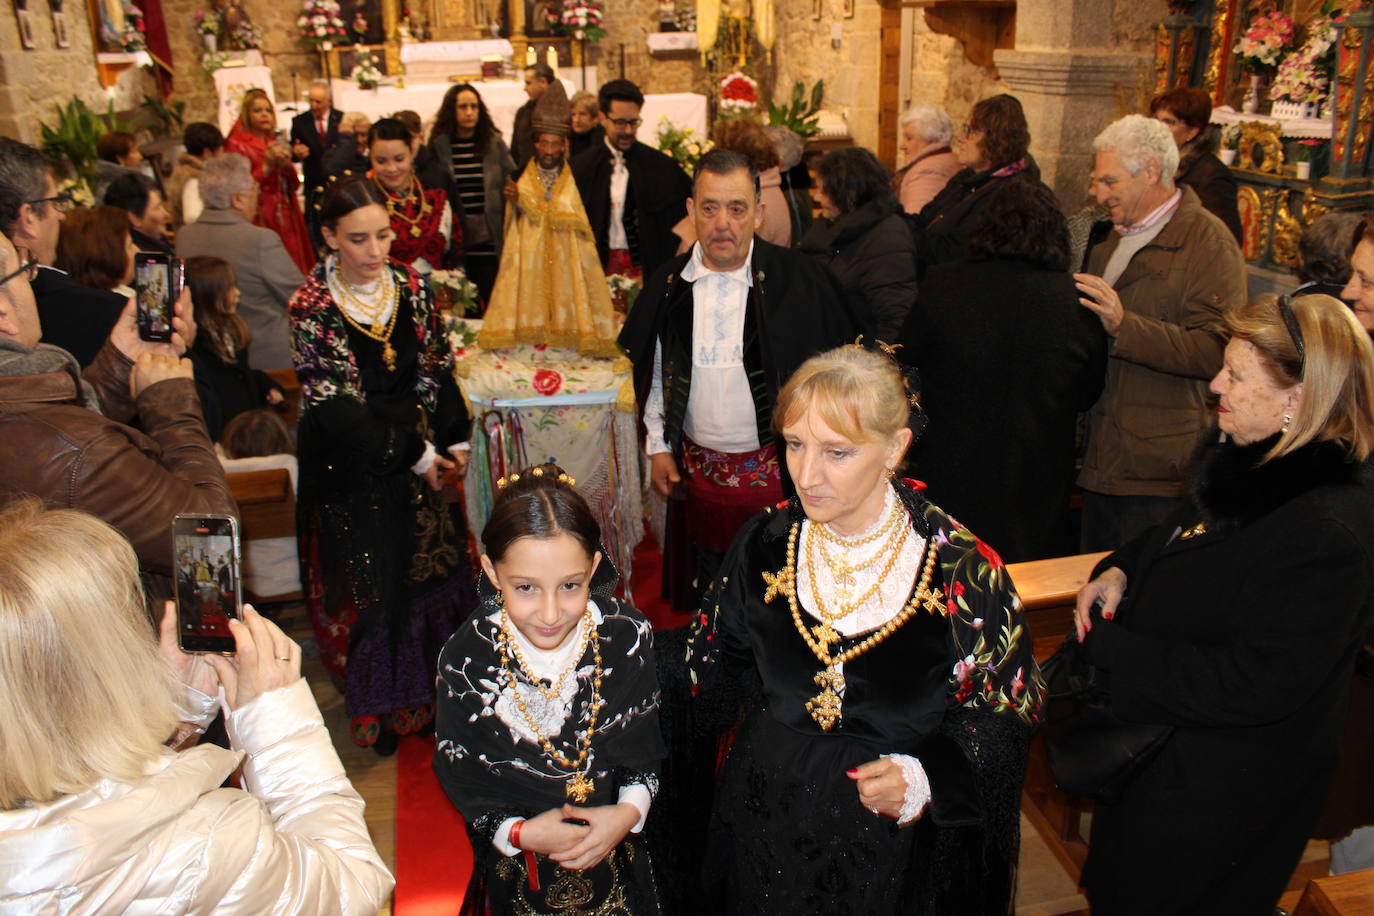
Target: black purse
(1093, 752)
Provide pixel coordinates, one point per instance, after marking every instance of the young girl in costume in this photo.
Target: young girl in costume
(548, 736)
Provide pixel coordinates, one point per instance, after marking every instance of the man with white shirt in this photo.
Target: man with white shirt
(1159, 284)
(714, 335)
(634, 195)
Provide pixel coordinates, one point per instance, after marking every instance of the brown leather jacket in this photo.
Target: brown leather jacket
(1143, 429)
(72, 457)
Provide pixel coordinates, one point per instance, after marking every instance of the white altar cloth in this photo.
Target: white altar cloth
(419, 51)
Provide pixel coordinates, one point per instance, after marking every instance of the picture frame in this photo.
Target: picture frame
(847, 9)
(59, 24)
(817, 7)
(25, 22)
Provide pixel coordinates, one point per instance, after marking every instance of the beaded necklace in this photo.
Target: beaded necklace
(396, 203)
(892, 550)
(826, 707)
(581, 786)
(387, 293)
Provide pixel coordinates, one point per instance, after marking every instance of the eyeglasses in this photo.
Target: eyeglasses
(622, 123)
(28, 266)
(62, 203)
(1290, 321)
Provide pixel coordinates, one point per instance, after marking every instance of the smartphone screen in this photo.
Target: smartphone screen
(157, 285)
(205, 550)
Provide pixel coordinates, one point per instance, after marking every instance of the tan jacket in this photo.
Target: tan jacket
(71, 457)
(1143, 429)
(175, 842)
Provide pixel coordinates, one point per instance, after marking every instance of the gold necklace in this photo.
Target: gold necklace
(393, 209)
(893, 549)
(581, 786)
(842, 571)
(825, 707)
(555, 690)
(390, 291)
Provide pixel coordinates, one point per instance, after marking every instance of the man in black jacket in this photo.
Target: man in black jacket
(538, 79)
(313, 132)
(707, 404)
(634, 195)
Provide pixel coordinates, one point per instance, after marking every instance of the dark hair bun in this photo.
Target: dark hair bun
(538, 502)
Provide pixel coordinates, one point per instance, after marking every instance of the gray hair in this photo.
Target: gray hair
(788, 143)
(222, 177)
(352, 116)
(23, 170)
(1138, 139)
(323, 84)
(932, 124)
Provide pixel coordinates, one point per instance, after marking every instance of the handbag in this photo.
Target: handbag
(1093, 752)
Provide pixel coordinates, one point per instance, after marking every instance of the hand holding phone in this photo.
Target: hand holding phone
(158, 281)
(266, 659)
(205, 557)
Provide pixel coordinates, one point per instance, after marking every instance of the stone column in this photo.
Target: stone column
(1077, 66)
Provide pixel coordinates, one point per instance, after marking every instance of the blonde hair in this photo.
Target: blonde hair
(858, 393)
(84, 694)
(252, 95)
(1337, 403)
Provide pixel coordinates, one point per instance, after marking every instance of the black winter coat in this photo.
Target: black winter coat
(1211, 180)
(227, 389)
(1243, 636)
(944, 226)
(656, 199)
(1007, 359)
(870, 251)
(74, 317)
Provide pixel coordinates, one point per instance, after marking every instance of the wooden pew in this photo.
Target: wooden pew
(1048, 589)
(1338, 895)
(267, 509)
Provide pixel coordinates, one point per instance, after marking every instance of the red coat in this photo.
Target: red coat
(277, 206)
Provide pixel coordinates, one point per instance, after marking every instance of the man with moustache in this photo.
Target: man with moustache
(1159, 284)
(550, 288)
(713, 337)
(633, 193)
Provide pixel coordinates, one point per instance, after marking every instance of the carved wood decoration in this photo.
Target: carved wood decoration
(1225, 23)
(1261, 147)
(1354, 90)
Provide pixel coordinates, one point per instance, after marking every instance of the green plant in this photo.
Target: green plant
(801, 113)
(171, 117)
(73, 138)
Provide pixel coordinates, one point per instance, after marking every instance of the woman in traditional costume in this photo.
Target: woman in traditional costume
(548, 735)
(421, 218)
(383, 555)
(876, 652)
(255, 135)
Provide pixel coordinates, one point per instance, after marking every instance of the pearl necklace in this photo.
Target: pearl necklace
(826, 707)
(581, 786)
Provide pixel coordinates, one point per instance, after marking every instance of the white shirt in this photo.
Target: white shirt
(720, 406)
(548, 664)
(620, 183)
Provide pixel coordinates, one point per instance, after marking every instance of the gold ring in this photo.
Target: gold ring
(282, 658)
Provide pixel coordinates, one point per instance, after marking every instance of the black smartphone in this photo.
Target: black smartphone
(205, 555)
(158, 279)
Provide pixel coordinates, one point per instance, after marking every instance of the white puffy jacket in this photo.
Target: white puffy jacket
(176, 842)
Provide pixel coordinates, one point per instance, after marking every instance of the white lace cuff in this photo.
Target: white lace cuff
(917, 788)
(426, 460)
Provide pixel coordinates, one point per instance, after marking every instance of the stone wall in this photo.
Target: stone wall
(33, 82)
(628, 23)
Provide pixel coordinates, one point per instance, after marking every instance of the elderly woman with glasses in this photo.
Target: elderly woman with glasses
(992, 146)
(1236, 624)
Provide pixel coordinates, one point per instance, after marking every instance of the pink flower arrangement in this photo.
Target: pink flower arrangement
(319, 24)
(1264, 43)
(582, 19)
(1305, 75)
(738, 93)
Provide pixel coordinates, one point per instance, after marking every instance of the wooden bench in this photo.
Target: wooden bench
(291, 388)
(1338, 895)
(267, 509)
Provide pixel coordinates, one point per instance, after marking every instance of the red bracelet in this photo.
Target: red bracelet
(515, 832)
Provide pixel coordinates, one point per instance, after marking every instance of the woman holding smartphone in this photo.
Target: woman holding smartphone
(383, 554)
(97, 812)
(255, 135)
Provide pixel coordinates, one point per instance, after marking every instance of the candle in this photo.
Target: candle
(551, 58)
(531, 58)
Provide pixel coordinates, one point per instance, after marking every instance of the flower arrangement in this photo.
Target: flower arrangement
(458, 289)
(247, 36)
(366, 73)
(1230, 136)
(359, 25)
(738, 93)
(319, 24)
(1304, 77)
(1309, 150)
(1264, 43)
(77, 189)
(582, 19)
(685, 18)
(624, 291)
(206, 23)
(681, 143)
(132, 38)
(459, 334)
(211, 61)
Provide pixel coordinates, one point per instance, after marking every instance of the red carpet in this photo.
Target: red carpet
(433, 856)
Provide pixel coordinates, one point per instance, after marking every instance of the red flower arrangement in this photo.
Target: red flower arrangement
(738, 93)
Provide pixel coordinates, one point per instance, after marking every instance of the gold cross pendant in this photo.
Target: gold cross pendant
(779, 583)
(931, 600)
(825, 706)
(579, 788)
(842, 576)
(389, 356)
(825, 634)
